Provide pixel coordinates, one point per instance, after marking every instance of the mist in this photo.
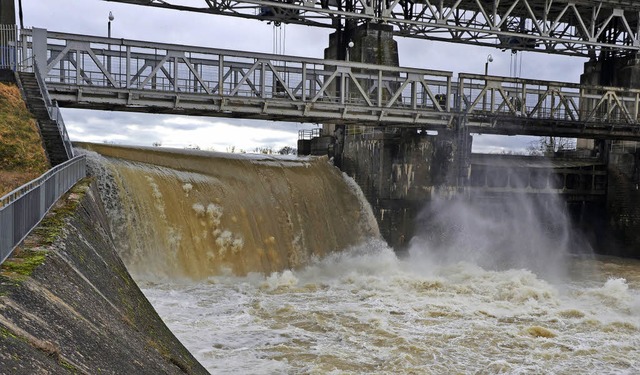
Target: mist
(507, 230)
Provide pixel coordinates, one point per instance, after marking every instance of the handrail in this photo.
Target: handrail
(53, 110)
(57, 117)
(22, 209)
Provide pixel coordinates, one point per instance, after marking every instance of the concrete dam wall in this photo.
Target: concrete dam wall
(68, 304)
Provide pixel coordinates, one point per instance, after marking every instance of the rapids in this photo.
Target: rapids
(262, 265)
(366, 311)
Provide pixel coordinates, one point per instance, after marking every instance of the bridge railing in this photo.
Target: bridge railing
(22, 209)
(8, 46)
(489, 97)
(98, 72)
(187, 77)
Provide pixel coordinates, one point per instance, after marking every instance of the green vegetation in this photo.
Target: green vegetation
(52, 225)
(22, 157)
(22, 264)
(68, 366)
(4, 333)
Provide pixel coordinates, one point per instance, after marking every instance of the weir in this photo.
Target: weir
(188, 214)
(405, 135)
(197, 214)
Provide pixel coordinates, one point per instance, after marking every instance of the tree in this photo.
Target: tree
(547, 146)
(263, 150)
(286, 150)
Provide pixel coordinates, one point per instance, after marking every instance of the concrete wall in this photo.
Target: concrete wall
(7, 12)
(399, 171)
(68, 305)
(622, 235)
(623, 204)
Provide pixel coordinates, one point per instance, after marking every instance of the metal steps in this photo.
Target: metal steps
(49, 131)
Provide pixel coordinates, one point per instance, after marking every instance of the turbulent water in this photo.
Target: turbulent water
(185, 213)
(442, 308)
(366, 311)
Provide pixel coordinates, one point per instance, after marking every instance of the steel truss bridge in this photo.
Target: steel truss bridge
(127, 75)
(570, 27)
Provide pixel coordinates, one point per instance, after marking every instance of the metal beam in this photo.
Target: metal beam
(120, 74)
(577, 27)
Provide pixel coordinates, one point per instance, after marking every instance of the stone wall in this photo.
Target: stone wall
(622, 233)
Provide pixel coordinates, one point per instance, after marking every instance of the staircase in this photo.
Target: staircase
(51, 134)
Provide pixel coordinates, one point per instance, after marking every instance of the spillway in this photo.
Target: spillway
(194, 214)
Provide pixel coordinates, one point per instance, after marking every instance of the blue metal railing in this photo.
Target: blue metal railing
(22, 209)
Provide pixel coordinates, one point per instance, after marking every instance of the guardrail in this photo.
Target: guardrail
(54, 111)
(8, 46)
(22, 209)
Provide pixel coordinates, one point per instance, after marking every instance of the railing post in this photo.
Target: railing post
(6, 232)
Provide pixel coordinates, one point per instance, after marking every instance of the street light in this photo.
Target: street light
(486, 65)
(349, 46)
(111, 18)
(486, 73)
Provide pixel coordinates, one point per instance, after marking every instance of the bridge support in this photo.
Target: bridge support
(7, 12)
(399, 169)
(367, 43)
(622, 158)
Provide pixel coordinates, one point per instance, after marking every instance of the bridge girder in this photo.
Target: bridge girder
(120, 74)
(578, 27)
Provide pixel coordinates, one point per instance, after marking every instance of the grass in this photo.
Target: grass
(22, 264)
(22, 157)
(50, 228)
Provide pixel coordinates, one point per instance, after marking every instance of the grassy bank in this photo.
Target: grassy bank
(22, 156)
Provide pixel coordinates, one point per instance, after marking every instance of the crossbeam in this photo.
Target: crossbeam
(576, 28)
(127, 75)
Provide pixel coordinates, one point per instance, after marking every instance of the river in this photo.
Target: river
(261, 265)
(366, 311)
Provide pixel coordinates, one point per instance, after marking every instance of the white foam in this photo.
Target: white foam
(366, 311)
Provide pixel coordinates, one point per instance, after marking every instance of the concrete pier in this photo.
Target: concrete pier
(622, 158)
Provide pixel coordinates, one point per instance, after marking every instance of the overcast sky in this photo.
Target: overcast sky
(149, 24)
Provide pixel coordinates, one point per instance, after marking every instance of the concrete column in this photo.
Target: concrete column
(7, 12)
(40, 49)
(623, 160)
(372, 44)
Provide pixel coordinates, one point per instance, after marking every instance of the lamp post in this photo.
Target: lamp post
(486, 73)
(486, 64)
(111, 18)
(349, 46)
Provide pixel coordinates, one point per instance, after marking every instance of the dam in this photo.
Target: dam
(321, 294)
(269, 265)
(196, 214)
